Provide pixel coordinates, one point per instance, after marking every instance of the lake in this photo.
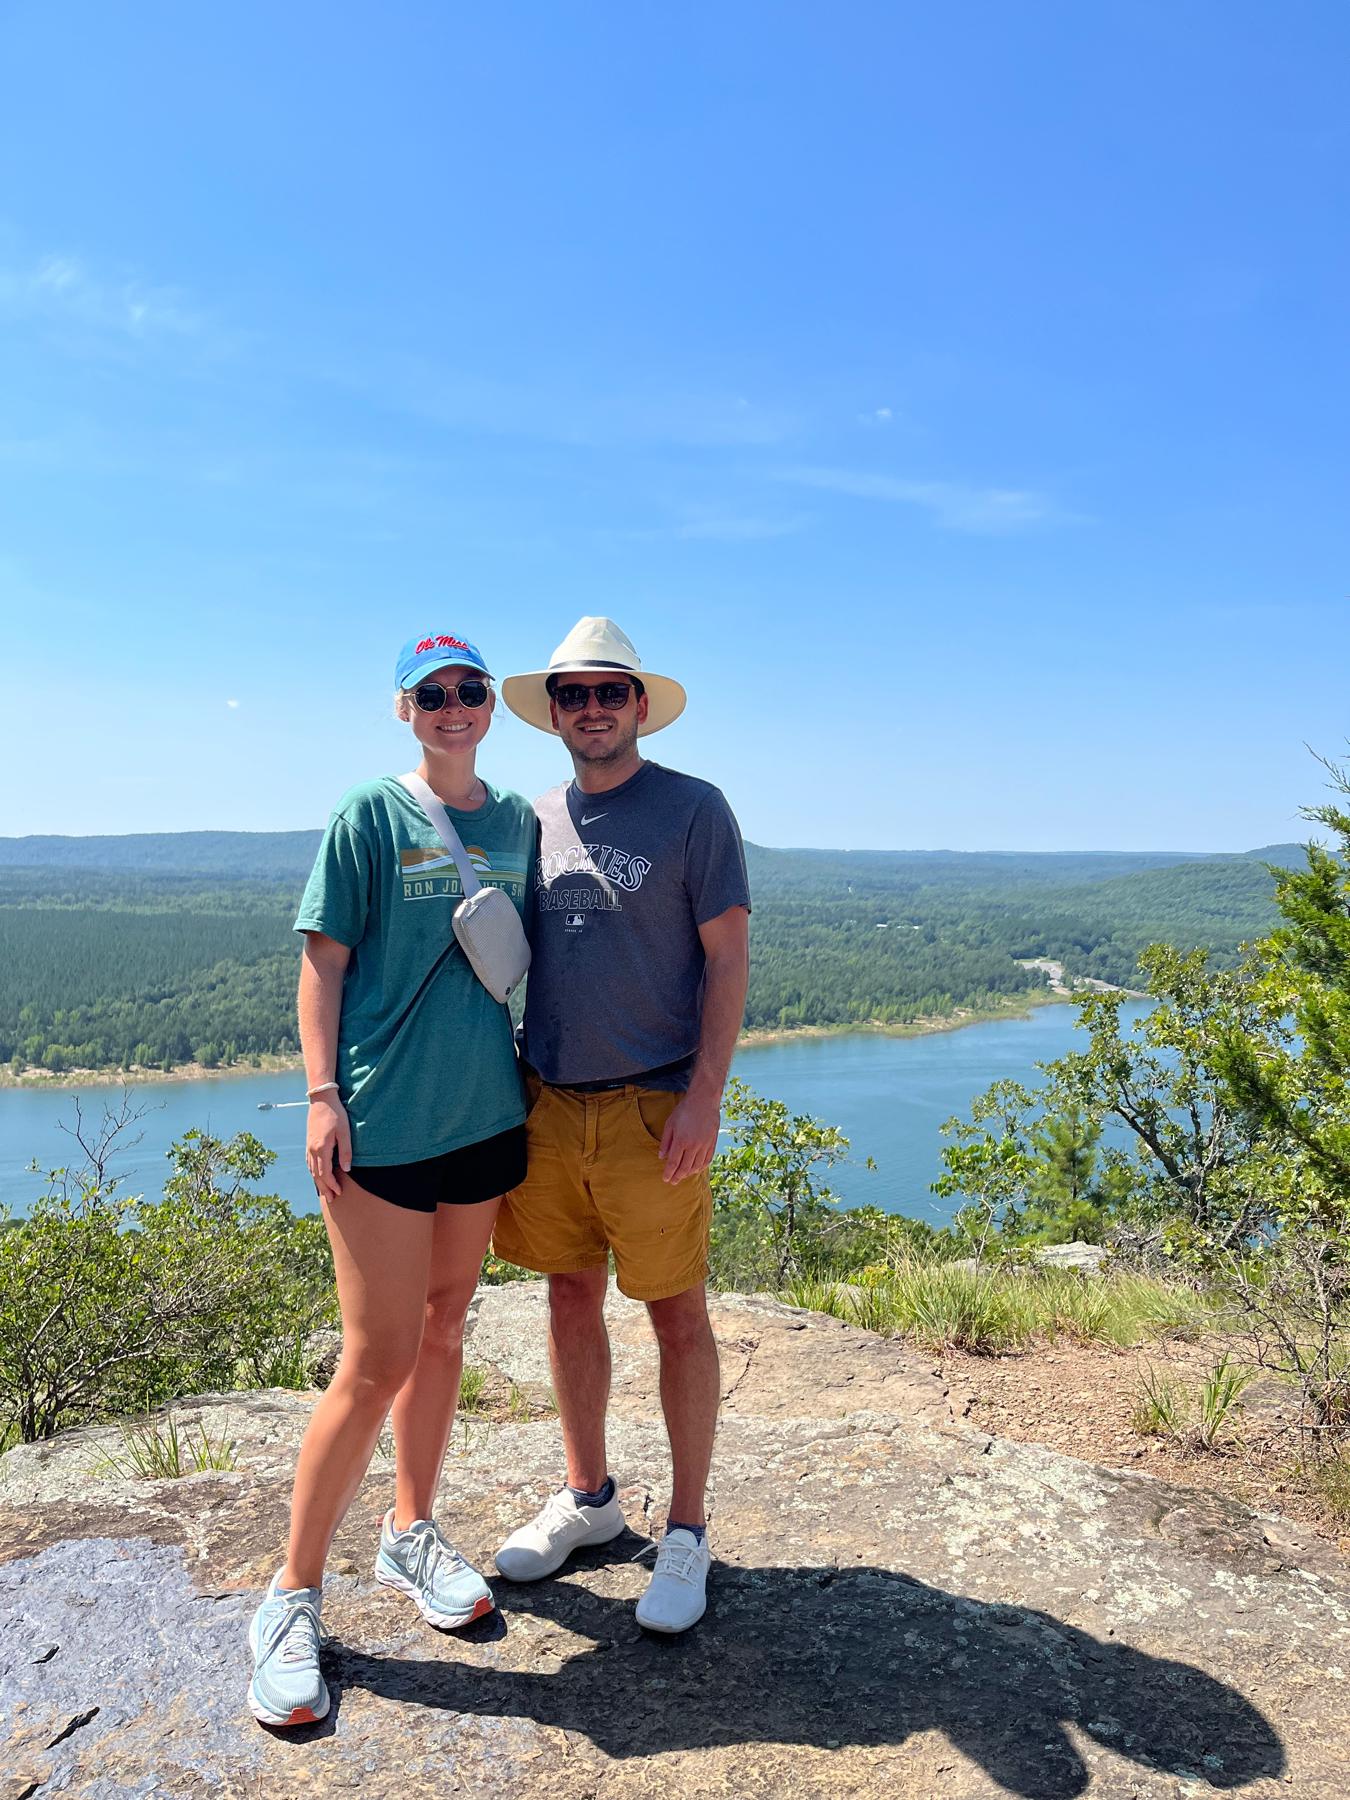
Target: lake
(888, 1095)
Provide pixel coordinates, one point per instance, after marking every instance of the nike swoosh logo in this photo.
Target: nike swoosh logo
(591, 820)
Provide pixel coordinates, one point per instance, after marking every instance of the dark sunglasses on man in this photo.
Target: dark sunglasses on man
(573, 696)
(431, 696)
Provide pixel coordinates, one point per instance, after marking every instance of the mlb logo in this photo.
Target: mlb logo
(574, 919)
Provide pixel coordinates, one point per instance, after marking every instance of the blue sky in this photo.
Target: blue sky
(955, 398)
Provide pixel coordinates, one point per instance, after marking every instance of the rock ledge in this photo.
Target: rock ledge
(899, 1606)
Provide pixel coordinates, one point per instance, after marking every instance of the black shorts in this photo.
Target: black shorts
(463, 1177)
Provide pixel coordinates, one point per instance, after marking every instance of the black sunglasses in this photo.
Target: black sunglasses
(431, 696)
(572, 696)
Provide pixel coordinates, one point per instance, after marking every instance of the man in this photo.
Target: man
(635, 998)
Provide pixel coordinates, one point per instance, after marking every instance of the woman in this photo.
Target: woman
(416, 1129)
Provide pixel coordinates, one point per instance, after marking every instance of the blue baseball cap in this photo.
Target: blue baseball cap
(436, 650)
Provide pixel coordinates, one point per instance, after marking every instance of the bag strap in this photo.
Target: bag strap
(445, 831)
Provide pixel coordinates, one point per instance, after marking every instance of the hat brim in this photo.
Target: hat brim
(527, 697)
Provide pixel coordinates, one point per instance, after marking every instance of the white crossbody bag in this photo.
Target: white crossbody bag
(486, 922)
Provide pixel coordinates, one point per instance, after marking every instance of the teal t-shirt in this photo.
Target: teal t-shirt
(425, 1059)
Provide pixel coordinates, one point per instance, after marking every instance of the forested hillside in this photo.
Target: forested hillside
(841, 936)
(158, 950)
(236, 855)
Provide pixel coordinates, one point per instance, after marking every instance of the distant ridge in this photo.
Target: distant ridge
(1282, 855)
(998, 871)
(289, 855)
(248, 855)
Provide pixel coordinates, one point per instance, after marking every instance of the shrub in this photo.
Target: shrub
(773, 1220)
(770, 1215)
(110, 1305)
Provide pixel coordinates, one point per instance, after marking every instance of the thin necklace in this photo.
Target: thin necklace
(471, 802)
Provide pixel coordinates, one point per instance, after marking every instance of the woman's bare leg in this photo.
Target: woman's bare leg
(381, 1256)
(424, 1411)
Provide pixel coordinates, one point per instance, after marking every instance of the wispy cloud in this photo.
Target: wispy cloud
(952, 505)
(741, 529)
(571, 410)
(715, 524)
(233, 705)
(63, 289)
(880, 415)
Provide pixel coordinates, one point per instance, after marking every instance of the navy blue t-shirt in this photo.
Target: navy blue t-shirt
(622, 884)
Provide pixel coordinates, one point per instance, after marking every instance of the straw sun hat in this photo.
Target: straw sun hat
(593, 645)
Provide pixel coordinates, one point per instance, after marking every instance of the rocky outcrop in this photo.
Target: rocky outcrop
(900, 1606)
(1087, 1259)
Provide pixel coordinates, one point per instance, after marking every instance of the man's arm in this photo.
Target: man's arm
(689, 1141)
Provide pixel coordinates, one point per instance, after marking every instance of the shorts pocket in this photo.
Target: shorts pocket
(653, 1108)
(534, 1090)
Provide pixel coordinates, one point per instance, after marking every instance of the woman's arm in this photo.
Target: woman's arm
(323, 966)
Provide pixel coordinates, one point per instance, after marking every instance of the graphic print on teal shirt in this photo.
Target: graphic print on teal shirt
(432, 875)
(425, 1058)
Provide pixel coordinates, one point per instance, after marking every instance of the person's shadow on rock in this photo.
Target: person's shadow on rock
(863, 1656)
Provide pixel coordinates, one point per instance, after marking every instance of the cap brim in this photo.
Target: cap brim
(527, 698)
(429, 664)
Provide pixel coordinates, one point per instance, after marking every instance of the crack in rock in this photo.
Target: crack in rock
(749, 1346)
(76, 1722)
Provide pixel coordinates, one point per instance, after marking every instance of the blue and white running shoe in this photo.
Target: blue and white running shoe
(425, 1566)
(285, 1635)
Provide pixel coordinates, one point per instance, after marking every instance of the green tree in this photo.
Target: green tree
(771, 1219)
(989, 1160)
(1200, 1171)
(1296, 1087)
(1292, 1085)
(1070, 1197)
(1236, 1088)
(1066, 1166)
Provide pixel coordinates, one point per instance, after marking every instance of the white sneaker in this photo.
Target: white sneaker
(545, 1544)
(675, 1596)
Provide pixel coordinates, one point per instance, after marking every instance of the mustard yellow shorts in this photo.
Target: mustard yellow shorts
(593, 1185)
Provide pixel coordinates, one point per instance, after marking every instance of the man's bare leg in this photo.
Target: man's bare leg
(691, 1386)
(578, 1351)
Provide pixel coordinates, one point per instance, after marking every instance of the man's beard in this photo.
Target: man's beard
(606, 749)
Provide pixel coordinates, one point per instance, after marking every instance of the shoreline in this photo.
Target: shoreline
(38, 1080)
(1020, 1008)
